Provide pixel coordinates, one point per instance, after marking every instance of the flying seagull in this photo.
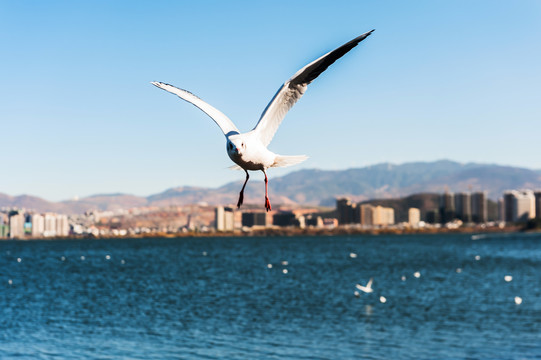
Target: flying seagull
(249, 150)
(367, 288)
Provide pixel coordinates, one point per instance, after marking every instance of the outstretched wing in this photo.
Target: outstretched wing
(294, 88)
(219, 118)
(369, 284)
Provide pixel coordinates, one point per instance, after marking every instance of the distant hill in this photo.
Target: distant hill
(318, 187)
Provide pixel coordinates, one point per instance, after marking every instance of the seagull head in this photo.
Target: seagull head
(235, 146)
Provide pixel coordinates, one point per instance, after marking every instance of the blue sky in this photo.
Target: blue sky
(458, 80)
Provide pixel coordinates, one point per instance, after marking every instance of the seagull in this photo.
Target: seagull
(367, 288)
(249, 150)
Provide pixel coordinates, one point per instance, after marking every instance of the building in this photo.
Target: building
(383, 216)
(288, 218)
(366, 214)
(224, 218)
(414, 217)
(433, 217)
(447, 207)
(250, 219)
(376, 215)
(537, 195)
(463, 207)
(62, 225)
(50, 225)
(38, 225)
(16, 225)
(479, 207)
(501, 210)
(519, 206)
(330, 223)
(313, 220)
(4, 231)
(4, 227)
(345, 210)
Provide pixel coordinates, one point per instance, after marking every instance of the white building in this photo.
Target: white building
(38, 225)
(62, 225)
(16, 226)
(414, 217)
(519, 206)
(224, 218)
(376, 215)
(50, 225)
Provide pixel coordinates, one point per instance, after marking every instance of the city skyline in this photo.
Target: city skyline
(415, 212)
(435, 80)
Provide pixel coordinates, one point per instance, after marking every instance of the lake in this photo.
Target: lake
(232, 298)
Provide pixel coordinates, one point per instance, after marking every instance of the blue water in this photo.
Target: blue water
(166, 299)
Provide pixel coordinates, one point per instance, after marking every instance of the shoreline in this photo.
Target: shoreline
(290, 232)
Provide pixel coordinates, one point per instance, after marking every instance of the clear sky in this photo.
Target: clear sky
(459, 80)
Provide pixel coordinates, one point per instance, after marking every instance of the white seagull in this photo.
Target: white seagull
(249, 150)
(368, 288)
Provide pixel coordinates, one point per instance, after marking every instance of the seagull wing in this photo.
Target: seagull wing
(293, 89)
(219, 118)
(369, 284)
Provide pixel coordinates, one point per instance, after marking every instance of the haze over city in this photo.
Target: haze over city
(436, 80)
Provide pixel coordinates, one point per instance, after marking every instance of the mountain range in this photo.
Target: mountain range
(315, 187)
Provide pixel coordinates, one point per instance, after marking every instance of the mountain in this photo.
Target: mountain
(317, 187)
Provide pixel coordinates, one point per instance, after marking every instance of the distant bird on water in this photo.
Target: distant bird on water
(249, 150)
(368, 288)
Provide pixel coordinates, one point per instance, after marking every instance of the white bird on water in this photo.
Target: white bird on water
(368, 288)
(249, 150)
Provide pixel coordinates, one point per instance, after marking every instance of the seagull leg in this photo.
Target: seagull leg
(267, 202)
(241, 195)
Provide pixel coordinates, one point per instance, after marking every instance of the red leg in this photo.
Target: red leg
(267, 202)
(241, 195)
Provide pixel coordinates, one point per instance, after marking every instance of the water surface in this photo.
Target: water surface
(216, 298)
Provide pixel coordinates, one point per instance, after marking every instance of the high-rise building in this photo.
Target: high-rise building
(38, 225)
(447, 207)
(62, 225)
(519, 206)
(414, 217)
(479, 207)
(433, 217)
(224, 218)
(345, 210)
(383, 216)
(508, 205)
(376, 215)
(463, 207)
(367, 214)
(16, 226)
(501, 209)
(50, 225)
(537, 195)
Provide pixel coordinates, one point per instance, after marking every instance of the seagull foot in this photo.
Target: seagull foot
(241, 199)
(267, 204)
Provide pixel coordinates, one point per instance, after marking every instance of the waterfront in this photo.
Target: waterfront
(216, 298)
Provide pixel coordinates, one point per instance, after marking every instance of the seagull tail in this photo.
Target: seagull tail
(283, 161)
